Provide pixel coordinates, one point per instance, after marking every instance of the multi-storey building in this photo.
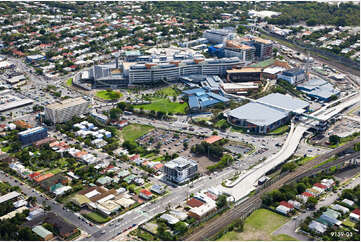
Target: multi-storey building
(246, 53)
(218, 36)
(263, 47)
(32, 135)
(180, 170)
(171, 71)
(63, 111)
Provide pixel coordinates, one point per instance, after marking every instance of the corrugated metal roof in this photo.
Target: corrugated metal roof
(258, 114)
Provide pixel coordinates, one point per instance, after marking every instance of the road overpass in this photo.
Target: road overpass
(246, 182)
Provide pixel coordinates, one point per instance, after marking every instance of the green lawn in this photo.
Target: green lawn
(283, 237)
(164, 105)
(346, 139)
(238, 129)
(134, 131)
(220, 123)
(6, 148)
(264, 64)
(69, 82)
(324, 162)
(168, 91)
(108, 95)
(55, 171)
(280, 130)
(304, 160)
(96, 218)
(348, 223)
(259, 226)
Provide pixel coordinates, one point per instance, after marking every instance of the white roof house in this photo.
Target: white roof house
(9, 196)
(317, 227)
(348, 202)
(169, 218)
(282, 209)
(340, 208)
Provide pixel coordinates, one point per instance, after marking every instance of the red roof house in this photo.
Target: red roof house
(144, 193)
(356, 211)
(286, 204)
(320, 185)
(307, 194)
(194, 202)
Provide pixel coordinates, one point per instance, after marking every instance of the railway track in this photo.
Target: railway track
(244, 209)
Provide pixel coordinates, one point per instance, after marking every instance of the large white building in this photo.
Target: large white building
(142, 73)
(63, 111)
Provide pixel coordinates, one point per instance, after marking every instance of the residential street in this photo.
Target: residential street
(291, 226)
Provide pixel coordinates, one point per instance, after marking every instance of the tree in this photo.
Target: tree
(180, 227)
(301, 187)
(334, 139)
(114, 113)
(221, 201)
(311, 202)
(241, 29)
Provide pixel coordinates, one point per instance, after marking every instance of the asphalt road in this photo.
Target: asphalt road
(148, 210)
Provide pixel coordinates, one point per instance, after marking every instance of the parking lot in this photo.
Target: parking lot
(169, 142)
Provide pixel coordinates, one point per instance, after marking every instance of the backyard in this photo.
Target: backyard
(258, 227)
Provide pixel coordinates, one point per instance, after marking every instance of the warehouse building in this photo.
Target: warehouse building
(32, 135)
(267, 113)
(63, 111)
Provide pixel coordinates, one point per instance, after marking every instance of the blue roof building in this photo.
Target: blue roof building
(201, 98)
(318, 88)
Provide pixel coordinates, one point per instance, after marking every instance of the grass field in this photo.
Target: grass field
(164, 105)
(69, 82)
(96, 218)
(134, 131)
(280, 130)
(259, 226)
(168, 91)
(109, 95)
(264, 64)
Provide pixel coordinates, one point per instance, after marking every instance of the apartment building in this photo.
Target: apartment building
(180, 170)
(63, 111)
